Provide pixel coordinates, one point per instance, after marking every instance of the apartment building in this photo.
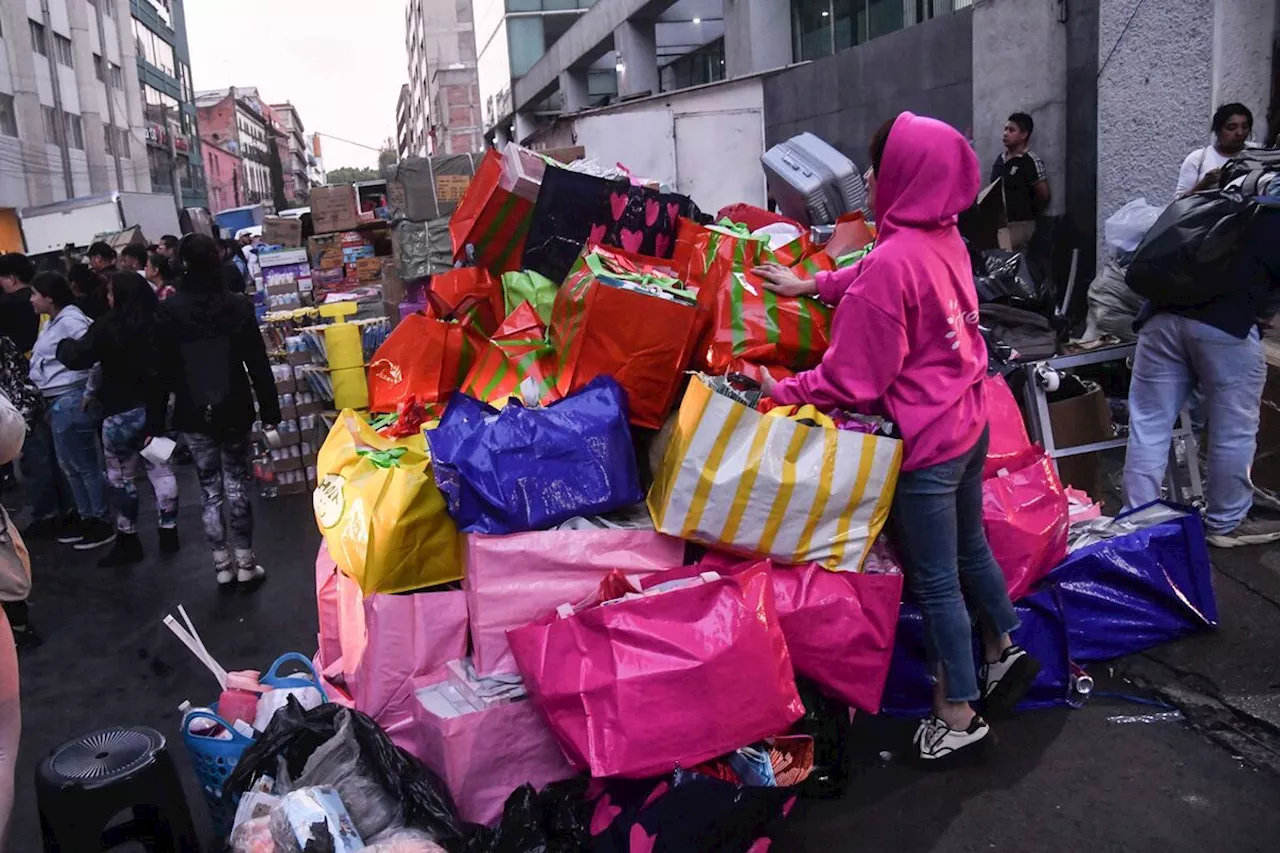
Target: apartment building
(293, 152)
(443, 113)
(71, 118)
(237, 121)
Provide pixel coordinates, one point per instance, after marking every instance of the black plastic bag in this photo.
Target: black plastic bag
(1006, 279)
(294, 734)
(554, 821)
(827, 722)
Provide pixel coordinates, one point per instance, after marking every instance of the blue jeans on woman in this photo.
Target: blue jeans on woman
(75, 438)
(937, 519)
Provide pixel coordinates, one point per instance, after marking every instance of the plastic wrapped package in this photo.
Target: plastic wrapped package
(1125, 228)
(309, 820)
(403, 841)
(421, 248)
(1113, 306)
(253, 836)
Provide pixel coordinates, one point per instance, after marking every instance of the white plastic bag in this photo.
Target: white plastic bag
(1125, 228)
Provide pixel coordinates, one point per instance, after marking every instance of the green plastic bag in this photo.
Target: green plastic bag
(528, 286)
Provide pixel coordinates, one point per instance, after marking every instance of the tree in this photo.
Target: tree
(387, 155)
(350, 174)
(276, 168)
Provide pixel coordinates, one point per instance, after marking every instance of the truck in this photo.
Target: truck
(76, 221)
(232, 220)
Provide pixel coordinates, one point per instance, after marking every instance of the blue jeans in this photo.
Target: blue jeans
(1175, 354)
(937, 519)
(75, 434)
(48, 493)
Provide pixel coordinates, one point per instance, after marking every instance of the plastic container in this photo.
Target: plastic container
(239, 701)
(215, 757)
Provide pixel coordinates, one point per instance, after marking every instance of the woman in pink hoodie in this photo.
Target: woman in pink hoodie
(905, 344)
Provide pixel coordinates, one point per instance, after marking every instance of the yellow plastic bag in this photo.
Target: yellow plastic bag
(380, 511)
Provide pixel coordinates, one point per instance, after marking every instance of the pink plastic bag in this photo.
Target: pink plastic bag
(840, 626)
(1026, 517)
(329, 645)
(1009, 445)
(512, 580)
(485, 755)
(386, 641)
(636, 687)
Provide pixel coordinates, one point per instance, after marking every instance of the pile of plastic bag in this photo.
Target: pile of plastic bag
(583, 584)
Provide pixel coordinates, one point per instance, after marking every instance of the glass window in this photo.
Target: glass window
(524, 40)
(109, 7)
(62, 50)
(37, 39)
(109, 139)
(52, 125)
(116, 75)
(123, 136)
(8, 118)
(883, 17)
(99, 70)
(74, 130)
(850, 23)
(812, 28)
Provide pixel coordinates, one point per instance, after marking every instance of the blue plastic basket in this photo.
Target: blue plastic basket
(214, 759)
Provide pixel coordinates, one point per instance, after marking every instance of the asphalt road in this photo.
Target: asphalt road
(1060, 780)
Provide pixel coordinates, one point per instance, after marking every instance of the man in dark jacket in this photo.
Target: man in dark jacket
(18, 320)
(1216, 346)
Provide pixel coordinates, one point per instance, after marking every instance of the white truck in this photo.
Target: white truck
(50, 227)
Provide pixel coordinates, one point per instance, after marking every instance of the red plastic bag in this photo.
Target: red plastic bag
(1026, 517)
(753, 324)
(638, 687)
(1009, 446)
(455, 286)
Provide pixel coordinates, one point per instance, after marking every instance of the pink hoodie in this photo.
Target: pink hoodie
(905, 341)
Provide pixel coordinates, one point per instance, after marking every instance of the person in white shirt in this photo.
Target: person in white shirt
(1232, 127)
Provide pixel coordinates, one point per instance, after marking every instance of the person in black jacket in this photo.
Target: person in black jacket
(210, 342)
(133, 400)
(89, 289)
(18, 320)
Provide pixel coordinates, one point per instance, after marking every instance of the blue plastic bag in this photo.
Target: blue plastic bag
(909, 689)
(1137, 590)
(530, 469)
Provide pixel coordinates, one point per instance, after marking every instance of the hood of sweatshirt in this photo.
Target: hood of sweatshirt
(928, 176)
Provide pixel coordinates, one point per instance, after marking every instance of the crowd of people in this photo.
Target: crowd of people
(112, 353)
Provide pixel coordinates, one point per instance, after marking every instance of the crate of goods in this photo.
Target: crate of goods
(334, 208)
(813, 183)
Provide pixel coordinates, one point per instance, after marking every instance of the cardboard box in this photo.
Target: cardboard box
(1082, 420)
(334, 209)
(279, 231)
(986, 224)
(368, 269)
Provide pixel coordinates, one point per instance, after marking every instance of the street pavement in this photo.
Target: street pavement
(1060, 780)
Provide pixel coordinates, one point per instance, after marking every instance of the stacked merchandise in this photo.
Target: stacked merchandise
(286, 278)
(348, 250)
(570, 536)
(422, 194)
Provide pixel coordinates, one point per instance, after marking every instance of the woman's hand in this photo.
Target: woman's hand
(784, 282)
(767, 384)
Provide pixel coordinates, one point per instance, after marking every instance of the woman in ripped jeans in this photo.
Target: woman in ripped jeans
(211, 346)
(132, 397)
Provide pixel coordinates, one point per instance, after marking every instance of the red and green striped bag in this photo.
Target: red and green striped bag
(727, 241)
(753, 324)
(519, 350)
(638, 327)
(490, 220)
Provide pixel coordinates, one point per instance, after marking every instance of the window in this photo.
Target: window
(117, 140)
(116, 75)
(99, 70)
(153, 48)
(8, 118)
(73, 130)
(109, 8)
(109, 138)
(37, 39)
(123, 145)
(62, 50)
(52, 125)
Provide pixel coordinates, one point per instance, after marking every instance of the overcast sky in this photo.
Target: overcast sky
(340, 62)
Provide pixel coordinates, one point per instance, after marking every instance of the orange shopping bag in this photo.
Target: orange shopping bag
(424, 358)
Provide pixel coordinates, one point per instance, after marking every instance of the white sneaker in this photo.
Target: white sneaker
(250, 574)
(1006, 682)
(936, 741)
(226, 578)
(1252, 531)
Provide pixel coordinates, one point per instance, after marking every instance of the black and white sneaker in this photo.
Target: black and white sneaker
(94, 533)
(937, 744)
(1006, 681)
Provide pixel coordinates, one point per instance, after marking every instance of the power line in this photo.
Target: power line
(349, 142)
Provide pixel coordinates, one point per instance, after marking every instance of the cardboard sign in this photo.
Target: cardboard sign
(451, 188)
(280, 231)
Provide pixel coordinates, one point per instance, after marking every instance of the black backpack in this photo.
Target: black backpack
(1188, 256)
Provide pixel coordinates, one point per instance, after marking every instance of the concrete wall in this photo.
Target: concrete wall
(1154, 98)
(1019, 59)
(926, 68)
